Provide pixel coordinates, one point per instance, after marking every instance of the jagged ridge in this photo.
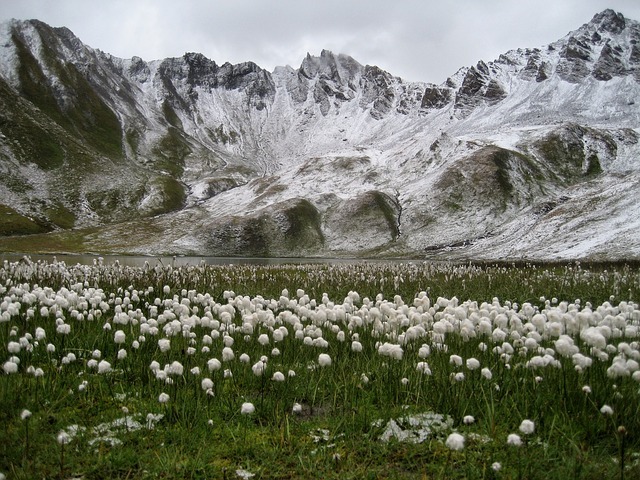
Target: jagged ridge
(332, 158)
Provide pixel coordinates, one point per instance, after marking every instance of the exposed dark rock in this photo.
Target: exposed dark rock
(436, 97)
(609, 64)
(609, 21)
(377, 91)
(574, 56)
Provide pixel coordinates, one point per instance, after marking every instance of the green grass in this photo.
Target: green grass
(335, 435)
(13, 223)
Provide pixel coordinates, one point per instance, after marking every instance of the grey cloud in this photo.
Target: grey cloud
(416, 39)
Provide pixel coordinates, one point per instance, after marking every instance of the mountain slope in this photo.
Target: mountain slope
(533, 155)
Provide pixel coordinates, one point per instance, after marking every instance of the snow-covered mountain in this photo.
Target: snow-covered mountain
(533, 155)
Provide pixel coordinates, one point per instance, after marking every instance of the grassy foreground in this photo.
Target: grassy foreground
(319, 371)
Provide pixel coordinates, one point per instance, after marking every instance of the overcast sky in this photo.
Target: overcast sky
(420, 40)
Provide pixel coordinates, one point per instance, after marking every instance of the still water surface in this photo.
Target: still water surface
(139, 261)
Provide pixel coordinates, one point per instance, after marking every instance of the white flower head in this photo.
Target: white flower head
(468, 419)
(278, 377)
(206, 384)
(214, 364)
(455, 441)
(163, 397)
(324, 360)
(25, 414)
(247, 408)
(514, 439)
(527, 427)
(10, 367)
(606, 410)
(164, 344)
(104, 366)
(63, 438)
(119, 337)
(473, 364)
(258, 368)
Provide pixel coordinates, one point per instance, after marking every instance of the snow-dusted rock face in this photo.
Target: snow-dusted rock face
(532, 155)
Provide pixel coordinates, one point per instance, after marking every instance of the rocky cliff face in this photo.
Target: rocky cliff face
(534, 154)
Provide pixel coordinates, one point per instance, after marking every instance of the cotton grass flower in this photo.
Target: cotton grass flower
(104, 366)
(606, 410)
(214, 364)
(258, 368)
(278, 377)
(468, 419)
(227, 354)
(324, 360)
(455, 441)
(527, 427)
(164, 344)
(10, 367)
(473, 364)
(163, 397)
(206, 384)
(119, 337)
(247, 408)
(63, 438)
(514, 440)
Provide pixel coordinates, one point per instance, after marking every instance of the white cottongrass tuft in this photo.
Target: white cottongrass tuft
(214, 364)
(247, 408)
(455, 441)
(391, 350)
(163, 398)
(468, 419)
(63, 438)
(297, 408)
(164, 344)
(206, 384)
(119, 337)
(258, 368)
(25, 414)
(227, 354)
(514, 439)
(473, 364)
(606, 410)
(455, 360)
(527, 427)
(10, 367)
(104, 366)
(278, 377)
(324, 360)
(176, 368)
(423, 367)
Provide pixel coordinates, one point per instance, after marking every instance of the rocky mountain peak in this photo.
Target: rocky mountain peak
(609, 21)
(311, 161)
